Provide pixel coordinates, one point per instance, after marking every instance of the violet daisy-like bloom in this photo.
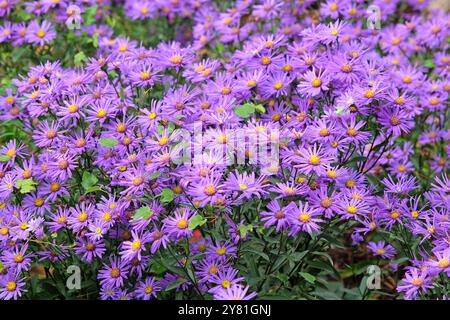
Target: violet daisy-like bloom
(177, 224)
(47, 134)
(276, 216)
(17, 259)
(7, 185)
(245, 186)
(440, 263)
(234, 292)
(147, 289)
(135, 181)
(40, 33)
(11, 286)
(133, 248)
(222, 251)
(58, 220)
(207, 190)
(90, 249)
(224, 279)
(381, 249)
(113, 275)
(415, 281)
(396, 121)
(303, 218)
(97, 229)
(313, 83)
(313, 159)
(80, 216)
(53, 190)
(61, 167)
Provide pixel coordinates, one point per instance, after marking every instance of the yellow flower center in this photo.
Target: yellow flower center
(210, 190)
(221, 251)
(11, 286)
(352, 209)
(101, 113)
(176, 59)
(145, 75)
(115, 272)
(369, 94)
(304, 217)
(326, 202)
(314, 160)
(226, 283)
(82, 216)
(407, 79)
(72, 108)
(265, 61)
(316, 82)
(40, 33)
(444, 263)
(278, 85)
(55, 186)
(136, 245)
(149, 289)
(242, 186)
(182, 224)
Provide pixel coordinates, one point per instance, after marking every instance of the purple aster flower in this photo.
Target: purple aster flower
(147, 289)
(11, 286)
(234, 292)
(276, 216)
(303, 218)
(381, 249)
(177, 225)
(113, 275)
(40, 33)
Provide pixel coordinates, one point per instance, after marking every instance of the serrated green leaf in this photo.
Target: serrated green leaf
(89, 15)
(260, 108)
(4, 158)
(79, 58)
(196, 221)
(109, 142)
(244, 111)
(244, 229)
(143, 213)
(166, 195)
(26, 185)
(88, 180)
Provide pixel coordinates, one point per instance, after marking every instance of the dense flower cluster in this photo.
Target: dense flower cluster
(358, 115)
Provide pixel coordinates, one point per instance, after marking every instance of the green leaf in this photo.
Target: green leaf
(1, 267)
(26, 185)
(196, 221)
(88, 180)
(89, 15)
(155, 175)
(95, 41)
(93, 189)
(220, 48)
(166, 195)
(109, 142)
(79, 58)
(245, 111)
(243, 229)
(175, 284)
(260, 108)
(429, 64)
(308, 277)
(143, 213)
(4, 158)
